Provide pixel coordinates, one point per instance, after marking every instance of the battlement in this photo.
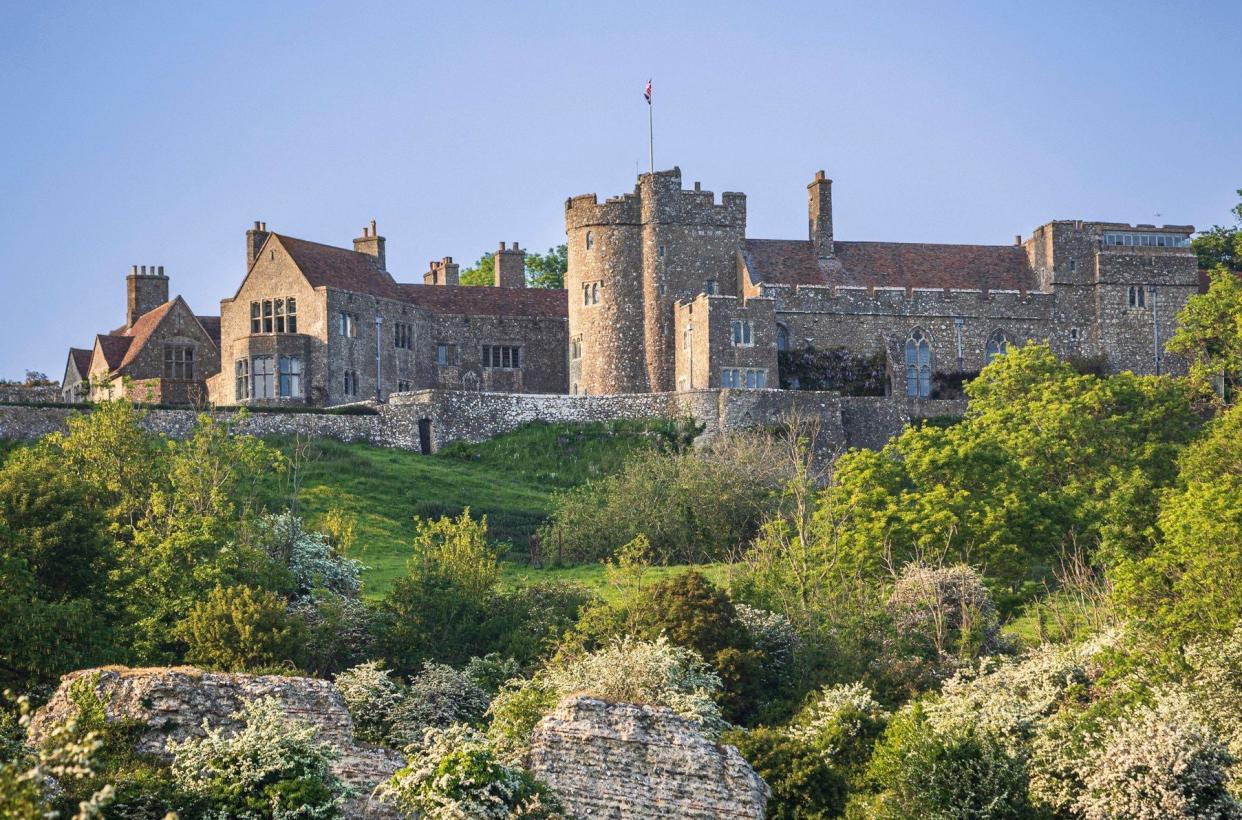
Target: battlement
(658, 197)
(902, 301)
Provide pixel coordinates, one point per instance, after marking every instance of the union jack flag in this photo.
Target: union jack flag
(647, 92)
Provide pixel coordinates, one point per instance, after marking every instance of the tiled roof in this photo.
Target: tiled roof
(113, 349)
(211, 325)
(891, 264)
(81, 360)
(466, 300)
(142, 329)
(338, 268)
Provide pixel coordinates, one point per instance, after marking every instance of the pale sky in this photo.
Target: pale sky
(155, 133)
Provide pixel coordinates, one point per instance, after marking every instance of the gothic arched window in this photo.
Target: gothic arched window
(998, 345)
(918, 364)
(782, 337)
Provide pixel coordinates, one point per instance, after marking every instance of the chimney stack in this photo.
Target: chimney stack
(510, 267)
(819, 215)
(444, 272)
(144, 291)
(255, 237)
(372, 244)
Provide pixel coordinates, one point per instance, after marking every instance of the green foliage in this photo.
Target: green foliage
(455, 773)
(693, 506)
(437, 698)
(240, 629)
(1209, 334)
(547, 270)
(482, 273)
(270, 768)
(1220, 247)
(837, 369)
(804, 785)
(370, 695)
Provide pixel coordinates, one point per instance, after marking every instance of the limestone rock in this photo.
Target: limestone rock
(622, 760)
(174, 702)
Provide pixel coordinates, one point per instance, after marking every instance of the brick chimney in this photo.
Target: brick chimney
(444, 272)
(372, 244)
(820, 215)
(255, 237)
(510, 267)
(144, 290)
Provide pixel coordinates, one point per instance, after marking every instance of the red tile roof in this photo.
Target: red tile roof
(113, 349)
(338, 268)
(891, 264)
(81, 360)
(466, 300)
(141, 330)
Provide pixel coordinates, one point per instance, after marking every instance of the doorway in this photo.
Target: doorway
(424, 436)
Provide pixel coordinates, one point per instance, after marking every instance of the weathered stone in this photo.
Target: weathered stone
(622, 760)
(174, 702)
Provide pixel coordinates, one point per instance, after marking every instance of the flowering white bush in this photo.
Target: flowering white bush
(271, 768)
(839, 716)
(438, 697)
(627, 671)
(311, 558)
(1158, 763)
(772, 633)
(948, 609)
(370, 696)
(454, 774)
(1216, 684)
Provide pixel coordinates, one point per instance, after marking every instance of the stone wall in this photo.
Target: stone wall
(23, 394)
(870, 421)
(624, 761)
(174, 703)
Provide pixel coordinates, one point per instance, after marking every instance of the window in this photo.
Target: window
(403, 386)
(998, 345)
(403, 335)
(575, 348)
(660, 252)
(241, 370)
(503, 357)
(444, 353)
(274, 316)
(749, 378)
(267, 315)
(918, 365)
(782, 337)
(280, 315)
(262, 377)
(743, 333)
(1073, 334)
(595, 293)
(291, 315)
(178, 362)
(351, 382)
(347, 323)
(590, 240)
(291, 377)
(1138, 296)
(709, 287)
(1152, 240)
(256, 322)
(687, 338)
(1073, 265)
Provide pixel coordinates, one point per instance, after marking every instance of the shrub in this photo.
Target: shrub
(270, 768)
(436, 698)
(238, 629)
(370, 695)
(627, 671)
(804, 785)
(491, 671)
(337, 631)
(313, 561)
(841, 724)
(454, 773)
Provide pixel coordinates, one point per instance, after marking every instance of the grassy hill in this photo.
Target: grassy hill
(511, 479)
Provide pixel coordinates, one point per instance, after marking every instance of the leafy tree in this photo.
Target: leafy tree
(239, 629)
(547, 270)
(1209, 334)
(805, 786)
(437, 698)
(482, 274)
(1220, 247)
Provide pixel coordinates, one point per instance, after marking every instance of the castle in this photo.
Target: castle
(664, 292)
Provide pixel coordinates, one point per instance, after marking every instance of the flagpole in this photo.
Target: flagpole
(650, 131)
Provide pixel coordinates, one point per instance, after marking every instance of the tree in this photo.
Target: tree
(482, 274)
(1209, 333)
(547, 270)
(239, 629)
(1220, 247)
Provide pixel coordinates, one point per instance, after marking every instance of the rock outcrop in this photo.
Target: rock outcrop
(174, 702)
(621, 760)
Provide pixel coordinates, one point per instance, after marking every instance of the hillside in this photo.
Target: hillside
(511, 479)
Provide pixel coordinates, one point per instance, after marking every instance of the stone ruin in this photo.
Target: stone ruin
(175, 701)
(627, 761)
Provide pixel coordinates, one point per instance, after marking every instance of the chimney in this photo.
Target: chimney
(372, 244)
(1017, 239)
(819, 215)
(144, 291)
(510, 267)
(444, 272)
(255, 237)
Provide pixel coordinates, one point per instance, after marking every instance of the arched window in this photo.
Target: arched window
(590, 240)
(998, 345)
(782, 337)
(595, 294)
(586, 294)
(918, 364)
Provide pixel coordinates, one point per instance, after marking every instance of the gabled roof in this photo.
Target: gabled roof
(80, 361)
(123, 345)
(890, 264)
(337, 268)
(467, 300)
(113, 348)
(211, 326)
(140, 331)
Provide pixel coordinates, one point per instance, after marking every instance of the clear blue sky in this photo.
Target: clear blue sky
(155, 133)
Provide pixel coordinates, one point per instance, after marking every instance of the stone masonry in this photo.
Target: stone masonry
(632, 762)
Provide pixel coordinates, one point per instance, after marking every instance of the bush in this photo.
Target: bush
(271, 768)
(454, 773)
(370, 695)
(313, 561)
(841, 724)
(337, 631)
(804, 785)
(437, 698)
(238, 629)
(492, 671)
